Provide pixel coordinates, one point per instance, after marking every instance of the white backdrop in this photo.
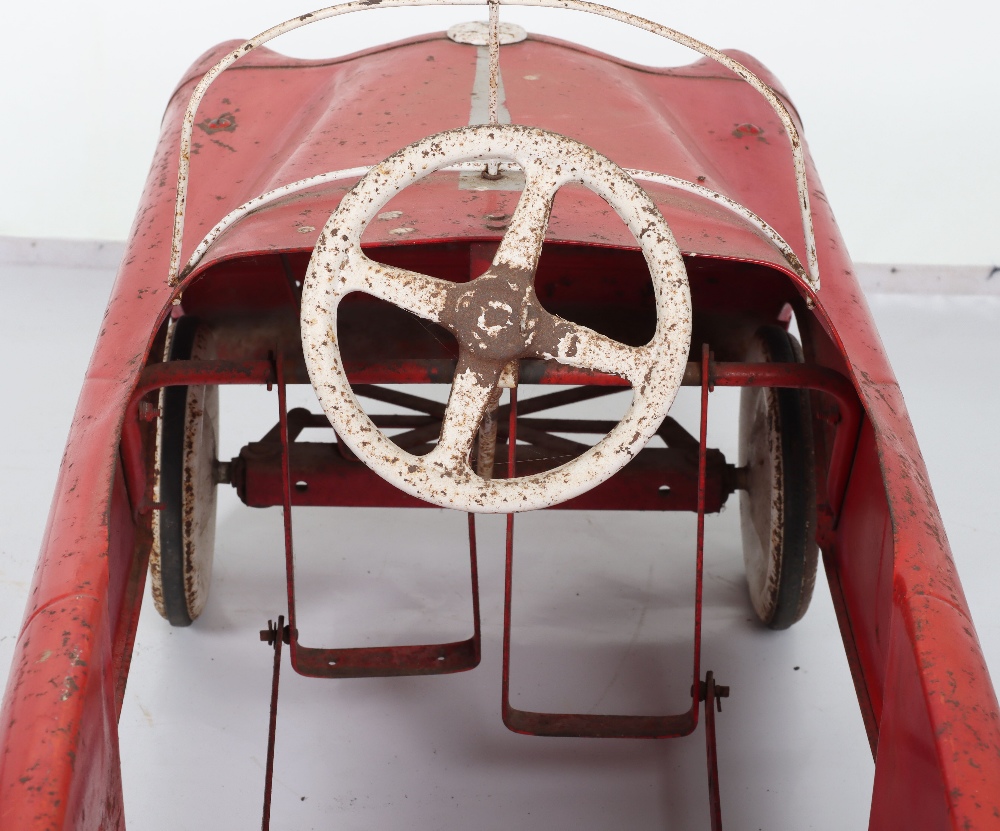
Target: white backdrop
(901, 101)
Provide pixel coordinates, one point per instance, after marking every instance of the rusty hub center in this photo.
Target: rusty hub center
(495, 316)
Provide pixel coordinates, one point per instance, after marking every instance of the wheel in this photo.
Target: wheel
(180, 562)
(778, 503)
(496, 318)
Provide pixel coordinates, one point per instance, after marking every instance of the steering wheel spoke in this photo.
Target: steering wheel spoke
(470, 396)
(579, 346)
(419, 293)
(521, 245)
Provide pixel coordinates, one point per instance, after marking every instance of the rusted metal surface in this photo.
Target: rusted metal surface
(492, 169)
(368, 661)
(707, 384)
(496, 319)
(486, 438)
(713, 694)
(735, 207)
(778, 505)
(642, 474)
(184, 523)
(798, 376)
(658, 479)
(187, 373)
(511, 179)
(273, 636)
(595, 725)
(488, 85)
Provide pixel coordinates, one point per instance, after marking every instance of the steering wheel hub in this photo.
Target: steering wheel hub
(491, 318)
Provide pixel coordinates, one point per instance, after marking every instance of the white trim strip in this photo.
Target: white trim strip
(511, 180)
(489, 103)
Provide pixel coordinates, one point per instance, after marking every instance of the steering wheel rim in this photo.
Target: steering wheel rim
(496, 318)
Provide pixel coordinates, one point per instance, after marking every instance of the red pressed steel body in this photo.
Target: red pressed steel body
(923, 687)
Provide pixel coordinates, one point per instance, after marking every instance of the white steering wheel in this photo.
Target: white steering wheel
(496, 319)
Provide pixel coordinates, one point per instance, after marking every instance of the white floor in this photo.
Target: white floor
(602, 624)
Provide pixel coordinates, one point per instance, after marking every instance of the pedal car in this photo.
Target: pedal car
(536, 225)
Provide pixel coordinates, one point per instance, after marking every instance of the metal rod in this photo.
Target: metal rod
(494, 59)
(486, 446)
(492, 169)
(781, 375)
(508, 581)
(363, 661)
(551, 724)
(712, 696)
(286, 496)
(724, 374)
(706, 387)
(474, 564)
(399, 398)
(272, 727)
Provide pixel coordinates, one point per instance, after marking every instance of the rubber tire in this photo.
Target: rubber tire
(184, 526)
(778, 506)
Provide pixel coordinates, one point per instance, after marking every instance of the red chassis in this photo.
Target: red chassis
(922, 684)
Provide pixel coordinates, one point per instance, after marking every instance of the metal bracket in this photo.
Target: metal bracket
(365, 662)
(612, 726)
(712, 694)
(271, 637)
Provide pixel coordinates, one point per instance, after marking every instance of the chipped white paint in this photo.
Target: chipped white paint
(201, 449)
(494, 50)
(496, 319)
(174, 273)
(477, 33)
(489, 106)
(258, 202)
(732, 205)
(156, 546)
